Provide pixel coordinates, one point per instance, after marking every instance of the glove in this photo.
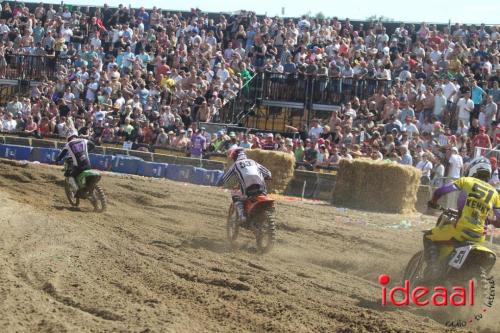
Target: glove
(432, 204)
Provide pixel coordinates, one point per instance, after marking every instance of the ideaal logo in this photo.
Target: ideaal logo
(459, 296)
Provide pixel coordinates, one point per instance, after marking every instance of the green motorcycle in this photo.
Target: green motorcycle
(87, 188)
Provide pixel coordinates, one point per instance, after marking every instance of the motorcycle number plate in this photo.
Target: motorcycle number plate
(459, 257)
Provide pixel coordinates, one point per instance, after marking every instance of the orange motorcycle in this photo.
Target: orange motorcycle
(259, 211)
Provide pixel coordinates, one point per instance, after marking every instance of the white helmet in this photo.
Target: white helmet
(479, 168)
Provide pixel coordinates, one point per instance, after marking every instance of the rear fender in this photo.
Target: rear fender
(484, 249)
(258, 203)
(89, 178)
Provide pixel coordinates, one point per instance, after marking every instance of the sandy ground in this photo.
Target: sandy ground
(157, 261)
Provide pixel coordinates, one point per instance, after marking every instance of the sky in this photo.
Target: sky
(436, 11)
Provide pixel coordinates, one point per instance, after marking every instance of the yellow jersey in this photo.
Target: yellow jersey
(480, 201)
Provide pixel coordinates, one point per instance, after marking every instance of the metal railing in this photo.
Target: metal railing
(236, 108)
(32, 67)
(319, 89)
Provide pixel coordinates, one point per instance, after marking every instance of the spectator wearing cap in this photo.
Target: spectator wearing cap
(289, 146)
(217, 144)
(494, 180)
(481, 140)
(269, 143)
(232, 142)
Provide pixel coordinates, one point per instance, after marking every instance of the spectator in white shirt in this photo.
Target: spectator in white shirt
(66, 33)
(449, 89)
(456, 164)
(465, 106)
(222, 72)
(316, 129)
(9, 124)
(439, 104)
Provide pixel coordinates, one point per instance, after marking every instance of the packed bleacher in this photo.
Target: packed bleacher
(417, 94)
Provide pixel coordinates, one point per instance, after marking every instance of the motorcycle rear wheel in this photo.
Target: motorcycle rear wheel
(265, 231)
(72, 198)
(98, 199)
(232, 226)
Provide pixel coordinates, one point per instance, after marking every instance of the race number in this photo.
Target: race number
(461, 254)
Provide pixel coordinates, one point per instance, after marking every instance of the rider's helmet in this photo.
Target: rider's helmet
(479, 168)
(71, 136)
(237, 153)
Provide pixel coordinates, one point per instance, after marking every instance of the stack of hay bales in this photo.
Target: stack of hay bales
(280, 164)
(375, 185)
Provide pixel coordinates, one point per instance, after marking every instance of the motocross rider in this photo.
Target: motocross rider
(77, 149)
(251, 177)
(476, 201)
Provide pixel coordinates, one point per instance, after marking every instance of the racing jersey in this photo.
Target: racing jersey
(480, 201)
(249, 173)
(476, 202)
(78, 151)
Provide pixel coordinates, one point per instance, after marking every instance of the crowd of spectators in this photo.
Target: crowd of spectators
(150, 77)
(123, 69)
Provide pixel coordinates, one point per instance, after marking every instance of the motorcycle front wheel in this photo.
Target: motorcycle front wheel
(72, 198)
(414, 271)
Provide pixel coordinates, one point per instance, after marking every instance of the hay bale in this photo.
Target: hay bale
(377, 186)
(280, 164)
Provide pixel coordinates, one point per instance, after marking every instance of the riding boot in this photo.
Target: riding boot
(240, 209)
(431, 255)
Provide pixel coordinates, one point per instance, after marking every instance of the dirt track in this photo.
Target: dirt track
(157, 261)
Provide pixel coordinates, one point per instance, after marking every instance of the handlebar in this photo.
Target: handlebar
(446, 211)
(441, 208)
